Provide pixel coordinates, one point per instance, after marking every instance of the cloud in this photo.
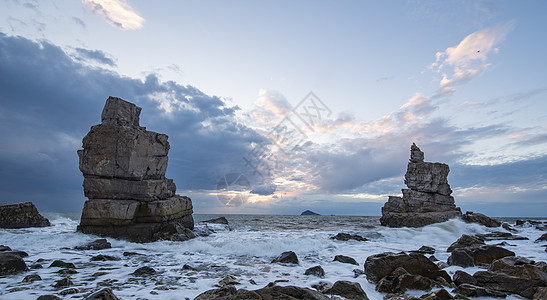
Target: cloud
(460, 63)
(48, 102)
(116, 12)
(94, 56)
(79, 22)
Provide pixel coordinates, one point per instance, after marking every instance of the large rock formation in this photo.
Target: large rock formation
(427, 199)
(21, 215)
(124, 178)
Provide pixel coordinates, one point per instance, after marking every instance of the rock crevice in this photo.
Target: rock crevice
(124, 168)
(427, 199)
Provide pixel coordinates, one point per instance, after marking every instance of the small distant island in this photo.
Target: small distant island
(309, 213)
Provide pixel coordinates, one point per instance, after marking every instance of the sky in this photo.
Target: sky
(276, 107)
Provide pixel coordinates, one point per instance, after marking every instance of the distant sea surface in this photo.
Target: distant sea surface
(244, 249)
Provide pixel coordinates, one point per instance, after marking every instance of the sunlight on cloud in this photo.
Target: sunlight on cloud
(116, 12)
(467, 59)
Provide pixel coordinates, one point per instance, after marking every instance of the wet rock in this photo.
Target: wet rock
(49, 297)
(348, 290)
(102, 257)
(67, 271)
(61, 264)
(424, 250)
(400, 280)
(521, 267)
(475, 256)
(358, 272)
(502, 282)
(271, 291)
(322, 286)
(32, 277)
(543, 237)
(4, 248)
(315, 271)
(97, 244)
(103, 294)
(508, 227)
(11, 264)
(461, 277)
(221, 220)
(441, 294)
(471, 217)
(427, 199)
(541, 293)
(124, 167)
(16, 252)
(36, 266)
(69, 291)
(287, 257)
(380, 265)
(129, 253)
(144, 271)
(228, 280)
(346, 237)
(345, 259)
(61, 283)
(21, 215)
(498, 235)
(470, 290)
(466, 241)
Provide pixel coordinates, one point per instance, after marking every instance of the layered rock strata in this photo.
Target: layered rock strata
(124, 167)
(427, 199)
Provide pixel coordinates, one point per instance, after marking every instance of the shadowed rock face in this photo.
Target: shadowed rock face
(124, 178)
(21, 215)
(427, 199)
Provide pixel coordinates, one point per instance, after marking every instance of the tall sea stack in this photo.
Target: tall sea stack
(124, 167)
(427, 199)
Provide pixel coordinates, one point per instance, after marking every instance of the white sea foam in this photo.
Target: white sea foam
(245, 252)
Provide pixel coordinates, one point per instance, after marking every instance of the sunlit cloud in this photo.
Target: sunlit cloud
(116, 12)
(468, 59)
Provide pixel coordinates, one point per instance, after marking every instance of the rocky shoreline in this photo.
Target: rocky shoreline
(498, 272)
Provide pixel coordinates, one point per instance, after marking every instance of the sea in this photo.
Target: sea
(244, 249)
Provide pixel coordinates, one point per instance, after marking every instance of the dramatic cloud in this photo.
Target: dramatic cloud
(116, 12)
(460, 63)
(49, 101)
(94, 56)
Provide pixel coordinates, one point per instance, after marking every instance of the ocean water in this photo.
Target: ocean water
(244, 250)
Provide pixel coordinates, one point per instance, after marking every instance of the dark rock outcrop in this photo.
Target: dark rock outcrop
(470, 290)
(345, 259)
(400, 280)
(471, 217)
(315, 271)
(220, 220)
(21, 215)
(270, 291)
(348, 290)
(309, 213)
(427, 199)
(466, 241)
(124, 167)
(103, 294)
(477, 255)
(346, 237)
(287, 257)
(381, 265)
(97, 244)
(11, 264)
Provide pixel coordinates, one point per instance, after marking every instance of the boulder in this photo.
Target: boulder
(287, 257)
(470, 290)
(144, 271)
(21, 215)
(521, 267)
(315, 271)
(477, 255)
(461, 277)
(49, 297)
(543, 237)
(348, 290)
(502, 282)
(103, 294)
(427, 199)
(11, 264)
(466, 241)
(541, 294)
(471, 217)
(345, 259)
(97, 244)
(380, 265)
(220, 220)
(346, 237)
(269, 292)
(424, 250)
(498, 235)
(441, 294)
(124, 167)
(400, 280)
